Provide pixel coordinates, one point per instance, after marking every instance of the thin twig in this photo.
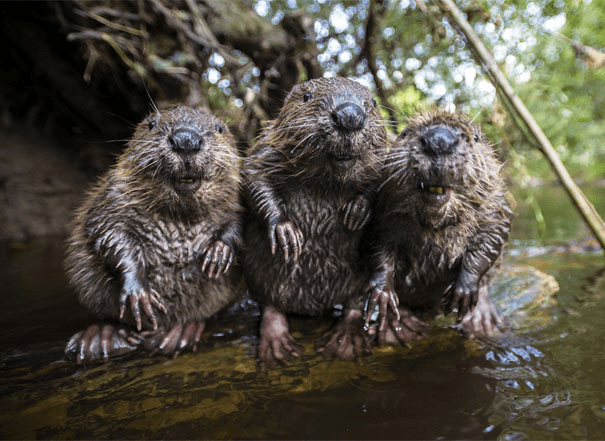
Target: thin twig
(138, 68)
(201, 28)
(115, 26)
(174, 21)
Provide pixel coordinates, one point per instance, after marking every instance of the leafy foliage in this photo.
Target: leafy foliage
(240, 58)
(421, 60)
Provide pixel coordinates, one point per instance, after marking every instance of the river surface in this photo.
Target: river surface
(545, 379)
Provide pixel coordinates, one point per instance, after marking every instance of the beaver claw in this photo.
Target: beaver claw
(276, 342)
(98, 342)
(403, 330)
(484, 320)
(217, 258)
(289, 237)
(346, 340)
(384, 297)
(137, 295)
(357, 213)
(178, 339)
(465, 293)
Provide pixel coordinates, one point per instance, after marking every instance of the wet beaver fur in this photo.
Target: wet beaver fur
(153, 243)
(441, 221)
(310, 183)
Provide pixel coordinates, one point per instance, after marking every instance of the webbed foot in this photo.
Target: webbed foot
(347, 339)
(484, 320)
(276, 343)
(179, 338)
(101, 342)
(403, 330)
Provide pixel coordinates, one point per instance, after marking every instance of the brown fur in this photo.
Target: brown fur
(153, 218)
(314, 182)
(441, 221)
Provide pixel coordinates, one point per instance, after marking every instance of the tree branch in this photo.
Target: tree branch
(586, 209)
(368, 53)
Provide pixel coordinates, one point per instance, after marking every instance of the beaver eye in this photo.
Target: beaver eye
(405, 133)
(374, 103)
(306, 97)
(475, 137)
(151, 124)
(219, 128)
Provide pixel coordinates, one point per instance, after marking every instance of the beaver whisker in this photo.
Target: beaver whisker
(232, 156)
(293, 128)
(399, 171)
(227, 157)
(379, 124)
(142, 167)
(225, 164)
(307, 141)
(393, 177)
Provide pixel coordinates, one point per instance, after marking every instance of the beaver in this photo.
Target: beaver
(153, 244)
(441, 220)
(309, 183)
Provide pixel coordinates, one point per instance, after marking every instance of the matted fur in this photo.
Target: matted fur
(425, 240)
(297, 172)
(141, 217)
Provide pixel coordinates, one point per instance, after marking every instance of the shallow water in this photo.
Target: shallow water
(544, 380)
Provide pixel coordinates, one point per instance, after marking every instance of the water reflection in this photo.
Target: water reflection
(544, 380)
(550, 380)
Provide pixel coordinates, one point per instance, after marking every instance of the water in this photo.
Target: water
(544, 380)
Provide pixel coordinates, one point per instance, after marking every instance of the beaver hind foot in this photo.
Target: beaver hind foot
(276, 343)
(179, 338)
(484, 321)
(101, 342)
(346, 340)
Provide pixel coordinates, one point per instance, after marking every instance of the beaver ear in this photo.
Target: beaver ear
(306, 97)
(374, 103)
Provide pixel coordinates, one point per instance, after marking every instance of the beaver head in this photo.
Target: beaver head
(330, 127)
(175, 154)
(443, 168)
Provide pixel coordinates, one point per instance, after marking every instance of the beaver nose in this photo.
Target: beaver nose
(185, 141)
(348, 116)
(439, 140)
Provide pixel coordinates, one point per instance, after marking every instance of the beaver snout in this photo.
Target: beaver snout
(185, 140)
(348, 116)
(439, 141)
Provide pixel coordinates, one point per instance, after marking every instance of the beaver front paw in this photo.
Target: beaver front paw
(346, 340)
(217, 259)
(382, 296)
(465, 294)
(101, 342)
(357, 213)
(289, 237)
(138, 295)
